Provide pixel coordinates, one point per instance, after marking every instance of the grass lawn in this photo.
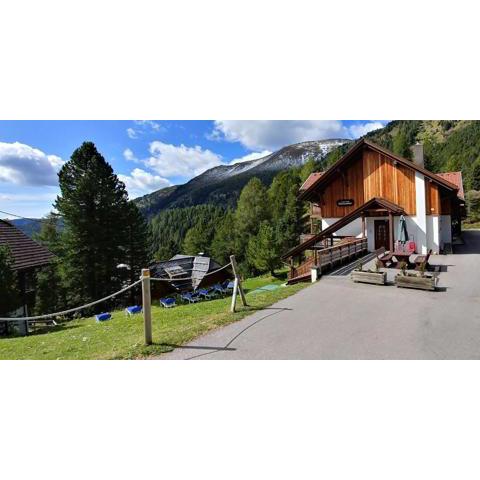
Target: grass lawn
(122, 337)
(471, 226)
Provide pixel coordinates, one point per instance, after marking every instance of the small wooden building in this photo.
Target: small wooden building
(186, 273)
(364, 194)
(28, 257)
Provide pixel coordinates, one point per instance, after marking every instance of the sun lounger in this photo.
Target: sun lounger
(190, 297)
(206, 293)
(133, 310)
(219, 289)
(103, 317)
(167, 302)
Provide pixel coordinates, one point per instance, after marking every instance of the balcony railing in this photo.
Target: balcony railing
(327, 258)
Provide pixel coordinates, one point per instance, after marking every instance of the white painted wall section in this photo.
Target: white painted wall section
(433, 233)
(420, 218)
(353, 229)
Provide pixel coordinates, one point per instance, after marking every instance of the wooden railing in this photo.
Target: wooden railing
(327, 258)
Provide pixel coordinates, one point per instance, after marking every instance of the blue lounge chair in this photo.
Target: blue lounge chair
(219, 289)
(168, 302)
(206, 293)
(229, 286)
(190, 297)
(129, 311)
(103, 317)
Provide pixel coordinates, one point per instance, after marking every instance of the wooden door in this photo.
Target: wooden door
(381, 234)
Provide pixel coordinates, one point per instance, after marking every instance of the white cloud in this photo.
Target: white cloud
(140, 182)
(180, 161)
(146, 124)
(143, 127)
(275, 134)
(24, 165)
(360, 129)
(132, 133)
(130, 156)
(251, 156)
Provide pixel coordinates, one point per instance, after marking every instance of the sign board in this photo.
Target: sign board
(345, 202)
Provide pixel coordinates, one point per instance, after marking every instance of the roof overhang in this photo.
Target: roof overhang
(376, 203)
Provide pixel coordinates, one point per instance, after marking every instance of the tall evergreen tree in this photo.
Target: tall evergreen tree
(252, 209)
(50, 290)
(475, 178)
(137, 253)
(92, 202)
(223, 243)
(197, 240)
(262, 249)
(401, 146)
(9, 295)
(287, 213)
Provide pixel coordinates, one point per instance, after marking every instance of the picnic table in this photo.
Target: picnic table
(395, 258)
(402, 257)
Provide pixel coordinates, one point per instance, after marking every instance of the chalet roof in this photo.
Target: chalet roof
(376, 202)
(327, 175)
(455, 178)
(26, 252)
(312, 178)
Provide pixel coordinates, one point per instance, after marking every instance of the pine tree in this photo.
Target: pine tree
(401, 146)
(308, 168)
(252, 209)
(9, 295)
(223, 243)
(287, 213)
(93, 203)
(262, 250)
(475, 178)
(137, 254)
(50, 290)
(196, 240)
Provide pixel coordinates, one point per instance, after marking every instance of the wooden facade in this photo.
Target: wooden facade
(369, 175)
(371, 172)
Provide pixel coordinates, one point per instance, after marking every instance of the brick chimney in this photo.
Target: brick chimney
(417, 151)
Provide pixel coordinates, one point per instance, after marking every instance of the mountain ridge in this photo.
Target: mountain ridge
(222, 184)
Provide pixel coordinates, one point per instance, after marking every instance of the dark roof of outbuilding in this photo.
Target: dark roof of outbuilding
(186, 271)
(26, 252)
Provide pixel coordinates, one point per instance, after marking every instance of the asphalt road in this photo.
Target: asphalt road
(338, 319)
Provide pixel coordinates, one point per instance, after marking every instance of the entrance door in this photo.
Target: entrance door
(381, 234)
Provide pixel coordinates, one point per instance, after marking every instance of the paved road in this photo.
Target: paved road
(337, 319)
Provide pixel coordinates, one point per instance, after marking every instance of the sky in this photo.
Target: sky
(146, 154)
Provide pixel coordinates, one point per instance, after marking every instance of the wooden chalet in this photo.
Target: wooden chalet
(28, 256)
(356, 205)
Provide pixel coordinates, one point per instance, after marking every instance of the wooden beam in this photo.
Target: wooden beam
(390, 230)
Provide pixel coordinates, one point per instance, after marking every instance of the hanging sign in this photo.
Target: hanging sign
(345, 202)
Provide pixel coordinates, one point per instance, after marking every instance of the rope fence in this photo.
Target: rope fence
(71, 310)
(146, 298)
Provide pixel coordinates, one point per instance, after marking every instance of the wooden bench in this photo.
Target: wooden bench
(421, 262)
(384, 258)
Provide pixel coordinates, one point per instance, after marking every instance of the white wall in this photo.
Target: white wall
(445, 230)
(420, 219)
(433, 233)
(353, 229)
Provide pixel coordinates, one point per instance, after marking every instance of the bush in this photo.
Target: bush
(473, 205)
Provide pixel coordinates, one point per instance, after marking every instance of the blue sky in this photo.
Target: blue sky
(147, 155)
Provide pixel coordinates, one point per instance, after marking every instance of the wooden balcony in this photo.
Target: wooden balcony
(328, 258)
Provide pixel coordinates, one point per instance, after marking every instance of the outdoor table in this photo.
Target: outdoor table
(402, 257)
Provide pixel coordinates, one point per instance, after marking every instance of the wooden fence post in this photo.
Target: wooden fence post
(237, 285)
(147, 306)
